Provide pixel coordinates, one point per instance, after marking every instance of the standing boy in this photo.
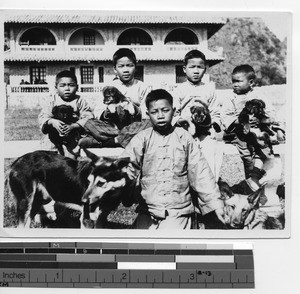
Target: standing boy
(170, 164)
(66, 87)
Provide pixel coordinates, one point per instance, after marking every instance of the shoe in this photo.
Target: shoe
(89, 142)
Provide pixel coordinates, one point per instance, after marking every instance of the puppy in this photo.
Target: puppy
(199, 123)
(120, 110)
(255, 108)
(64, 113)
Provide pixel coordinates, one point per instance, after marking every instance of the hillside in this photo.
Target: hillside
(248, 40)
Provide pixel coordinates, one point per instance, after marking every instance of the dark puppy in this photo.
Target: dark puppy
(255, 108)
(125, 112)
(202, 120)
(64, 113)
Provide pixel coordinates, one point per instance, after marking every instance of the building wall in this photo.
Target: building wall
(109, 32)
(156, 74)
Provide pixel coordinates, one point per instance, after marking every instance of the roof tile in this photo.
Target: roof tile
(115, 17)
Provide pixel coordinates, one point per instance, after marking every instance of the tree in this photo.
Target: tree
(249, 40)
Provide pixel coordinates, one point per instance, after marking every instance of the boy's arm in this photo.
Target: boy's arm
(228, 114)
(144, 90)
(100, 107)
(214, 107)
(135, 151)
(45, 115)
(85, 112)
(202, 180)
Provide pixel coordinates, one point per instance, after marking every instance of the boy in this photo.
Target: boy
(124, 65)
(243, 82)
(135, 91)
(187, 93)
(66, 87)
(170, 163)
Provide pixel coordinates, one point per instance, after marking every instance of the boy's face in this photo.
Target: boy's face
(241, 84)
(125, 69)
(194, 70)
(66, 88)
(161, 114)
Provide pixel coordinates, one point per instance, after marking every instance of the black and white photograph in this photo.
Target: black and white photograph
(148, 124)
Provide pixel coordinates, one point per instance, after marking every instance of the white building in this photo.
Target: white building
(39, 45)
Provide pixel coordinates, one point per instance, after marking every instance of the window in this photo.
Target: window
(134, 37)
(180, 75)
(89, 38)
(181, 36)
(101, 74)
(87, 75)
(139, 73)
(37, 36)
(38, 75)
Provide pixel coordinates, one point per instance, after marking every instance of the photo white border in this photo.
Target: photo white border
(193, 234)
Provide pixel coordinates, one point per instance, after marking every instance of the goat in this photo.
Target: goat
(64, 113)
(43, 178)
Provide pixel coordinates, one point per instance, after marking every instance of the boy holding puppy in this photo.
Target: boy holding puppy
(66, 87)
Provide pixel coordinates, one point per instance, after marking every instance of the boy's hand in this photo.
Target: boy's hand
(57, 124)
(130, 108)
(68, 128)
(112, 107)
(246, 128)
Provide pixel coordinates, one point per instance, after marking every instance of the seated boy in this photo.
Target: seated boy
(243, 81)
(66, 86)
(170, 164)
(135, 91)
(124, 65)
(186, 94)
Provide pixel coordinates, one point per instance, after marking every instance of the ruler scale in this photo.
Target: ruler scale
(125, 265)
